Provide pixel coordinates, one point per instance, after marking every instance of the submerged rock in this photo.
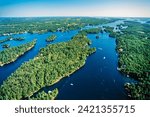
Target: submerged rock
(97, 37)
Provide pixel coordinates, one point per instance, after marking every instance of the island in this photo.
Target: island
(51, 38)
(11, 54)
(91, 31)
(19, 38)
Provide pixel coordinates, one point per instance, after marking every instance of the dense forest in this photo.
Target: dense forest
(91, 31)
(51, 95)
(11, 54)
(53, 62)
(51, 38)
(134, 58)
(40, 25)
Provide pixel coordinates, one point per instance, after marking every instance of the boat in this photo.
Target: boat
(71, 84)
(100, 48)
(49, 91)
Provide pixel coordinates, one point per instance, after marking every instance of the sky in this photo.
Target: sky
(105, 8)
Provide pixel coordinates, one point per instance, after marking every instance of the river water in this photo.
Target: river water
(97, 79)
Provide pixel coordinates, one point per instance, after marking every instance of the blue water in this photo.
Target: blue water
(97, 79)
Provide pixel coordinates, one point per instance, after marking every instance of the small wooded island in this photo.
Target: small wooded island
(19, 39)
(91, 31)
(51, 38)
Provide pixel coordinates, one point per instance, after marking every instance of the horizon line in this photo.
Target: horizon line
(76, 16)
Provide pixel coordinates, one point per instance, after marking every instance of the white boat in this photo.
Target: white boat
(104, 57)
(71, 84)
(100, 48)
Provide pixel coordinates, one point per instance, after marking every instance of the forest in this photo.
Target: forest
(9, 26)
(134, 58)
(51, 38)
(53, 62)
(91, 31)
(11, 54)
